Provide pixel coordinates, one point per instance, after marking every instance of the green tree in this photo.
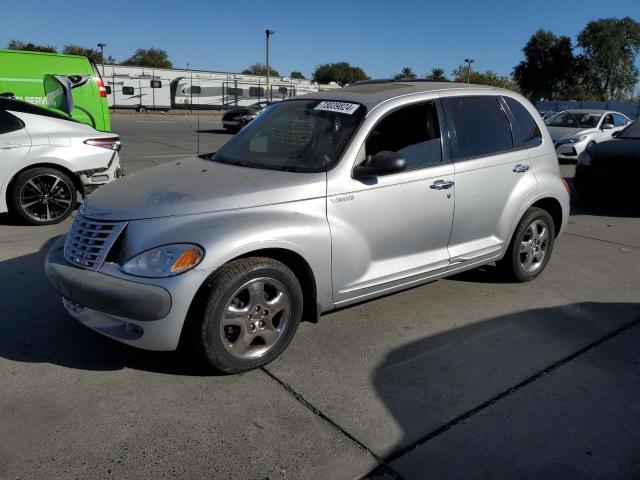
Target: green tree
(298, 75)
(487, 78)
(610, 47)
(340, 72)
(260, 69)
(406, 73)
(90, 53)
(152, 57)
(550, 69)
(33, 47)
(437, 75)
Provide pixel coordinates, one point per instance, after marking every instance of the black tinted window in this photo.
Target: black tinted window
(531, 135)
(156, 84)
(480, 124)
(413, 132)
(235, 91)
(9, 123)
(195, 90)
(256, 92)
(127, 90)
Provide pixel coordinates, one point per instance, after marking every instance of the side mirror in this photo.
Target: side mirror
(615, 134)
(382, 163)
(606, 126)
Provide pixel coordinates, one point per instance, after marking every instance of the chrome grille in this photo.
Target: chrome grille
(89, 241)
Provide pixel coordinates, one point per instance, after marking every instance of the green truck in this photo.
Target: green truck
(67, 83)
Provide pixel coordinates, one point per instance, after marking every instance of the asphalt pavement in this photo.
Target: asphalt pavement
(467, 377)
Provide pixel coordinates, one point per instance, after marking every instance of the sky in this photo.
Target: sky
(382, 37)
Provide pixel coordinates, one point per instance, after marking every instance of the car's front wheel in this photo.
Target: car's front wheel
(530, 247)
(43, 196)
(251, 314)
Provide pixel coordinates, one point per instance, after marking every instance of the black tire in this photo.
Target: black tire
(511, 266)
(60, 201)
(205, 329)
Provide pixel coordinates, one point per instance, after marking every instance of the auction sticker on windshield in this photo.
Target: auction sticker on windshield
(340, 107)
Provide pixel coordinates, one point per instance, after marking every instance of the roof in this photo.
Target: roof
(585, 110)
(373, 92)
(19, 106)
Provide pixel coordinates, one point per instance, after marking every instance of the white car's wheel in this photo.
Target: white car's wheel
(43, 196)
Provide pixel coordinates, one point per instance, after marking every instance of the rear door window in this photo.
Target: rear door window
(413, 132)
(531, 136)
(480, 126)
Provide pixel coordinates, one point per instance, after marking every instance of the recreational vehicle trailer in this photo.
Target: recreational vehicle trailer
(146, 88)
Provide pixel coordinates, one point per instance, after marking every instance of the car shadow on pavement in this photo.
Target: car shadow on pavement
(216, 131)
(434, 384)
(35, 328)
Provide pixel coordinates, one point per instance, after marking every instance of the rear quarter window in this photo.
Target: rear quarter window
(528, 128)
(480, 124)
(9, 123)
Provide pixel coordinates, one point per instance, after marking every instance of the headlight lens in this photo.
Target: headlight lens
(579, 139)
(164, 261)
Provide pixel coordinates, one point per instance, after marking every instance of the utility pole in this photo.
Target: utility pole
(190, 89)
(469, 61)
(101, 46)
(268, 33)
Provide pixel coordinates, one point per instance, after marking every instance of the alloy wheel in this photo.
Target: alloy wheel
(255, 318)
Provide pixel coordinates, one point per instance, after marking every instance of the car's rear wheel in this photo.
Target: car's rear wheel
(43, 196)
(531, 246)
(251, 314)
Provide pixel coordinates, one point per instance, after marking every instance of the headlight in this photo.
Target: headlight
(579, 139)
(164, 261)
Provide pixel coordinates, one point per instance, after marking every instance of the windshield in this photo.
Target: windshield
(574, 120)
(632, 131)
(295, 136)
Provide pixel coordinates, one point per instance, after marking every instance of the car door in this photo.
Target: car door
(493, 176)
(392, 230)
(605, 133)
(15, 144)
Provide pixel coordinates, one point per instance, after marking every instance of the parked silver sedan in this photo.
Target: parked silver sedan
(573, 131)
(46, 159)
(323, 201)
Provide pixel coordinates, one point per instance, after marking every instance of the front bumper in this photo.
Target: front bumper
(570, 151)
(146, 315)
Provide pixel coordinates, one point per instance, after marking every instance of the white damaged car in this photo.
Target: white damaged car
(46, 159)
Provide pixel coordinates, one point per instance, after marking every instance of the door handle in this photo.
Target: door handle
(8, 146)
(521, 168)
(442, 185)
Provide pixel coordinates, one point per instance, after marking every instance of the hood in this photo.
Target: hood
(559, 133)
(198, 185)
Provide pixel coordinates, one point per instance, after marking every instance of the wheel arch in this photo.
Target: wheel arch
(551, 205)
(293, 260)
(74, 178)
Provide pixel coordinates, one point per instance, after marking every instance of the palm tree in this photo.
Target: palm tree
(437, 74)
(406, 72)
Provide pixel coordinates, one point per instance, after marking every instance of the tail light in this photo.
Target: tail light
(111, 143)
(566, 186)
(101, 88)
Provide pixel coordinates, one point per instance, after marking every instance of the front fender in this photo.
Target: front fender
(300, 227)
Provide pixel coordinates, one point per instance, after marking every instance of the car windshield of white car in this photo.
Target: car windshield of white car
(575, 120)
(295, 136)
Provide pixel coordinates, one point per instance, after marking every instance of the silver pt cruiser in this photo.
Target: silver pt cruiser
(323, 201)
